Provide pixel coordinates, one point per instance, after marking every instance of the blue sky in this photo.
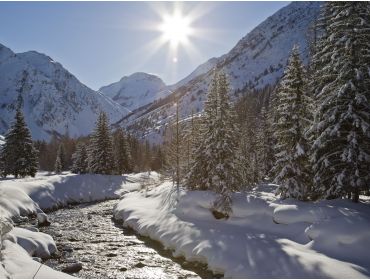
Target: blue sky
(100, 42)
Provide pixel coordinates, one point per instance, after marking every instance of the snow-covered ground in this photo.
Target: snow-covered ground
(20, 247)
(264, 237)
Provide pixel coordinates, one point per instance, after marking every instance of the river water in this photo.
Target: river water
(86, 234)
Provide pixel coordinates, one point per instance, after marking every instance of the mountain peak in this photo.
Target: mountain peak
(136, 90)
(5, 52)
(55, 102)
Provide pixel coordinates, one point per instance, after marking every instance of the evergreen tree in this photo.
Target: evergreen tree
(216, 166)
(122, 152)
(80, 159)
(265, 145)
(226, 177)
(293, 119)
(199, 176)
(18, 155)
(58, 165)
(62, 157)
(249, 156)
(100, 153)
(341, 151)
(175, 150)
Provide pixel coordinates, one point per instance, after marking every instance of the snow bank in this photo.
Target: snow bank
(18, 264)
(30, 196)
(52, 191)
(36, 244)
(264, 237)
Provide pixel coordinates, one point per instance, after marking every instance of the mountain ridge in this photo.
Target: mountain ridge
(256, 61)
(55, 101)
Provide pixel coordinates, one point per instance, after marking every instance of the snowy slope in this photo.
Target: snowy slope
(136, 90)
(257, 60)
(54, 101)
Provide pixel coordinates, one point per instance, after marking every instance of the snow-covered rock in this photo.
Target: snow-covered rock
(264, 237)
(54, 101)
(136, 90)
(42, 219)
(17, 263)
(36, 244)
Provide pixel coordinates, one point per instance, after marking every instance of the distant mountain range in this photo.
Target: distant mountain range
(55, 102)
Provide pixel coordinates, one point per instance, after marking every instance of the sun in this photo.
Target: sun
(175, 28)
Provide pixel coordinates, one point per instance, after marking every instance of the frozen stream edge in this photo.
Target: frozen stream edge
(89, 235)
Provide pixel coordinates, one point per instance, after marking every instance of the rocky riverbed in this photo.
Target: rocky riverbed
(92, 245)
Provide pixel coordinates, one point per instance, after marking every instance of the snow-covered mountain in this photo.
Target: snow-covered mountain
(257, 60)
(54, 101)
(136, 90)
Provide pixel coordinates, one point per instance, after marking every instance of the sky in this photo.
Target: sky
(100, 42)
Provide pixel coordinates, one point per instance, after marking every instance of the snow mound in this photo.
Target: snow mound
(18, 264)
(36, 244)
(263, 238)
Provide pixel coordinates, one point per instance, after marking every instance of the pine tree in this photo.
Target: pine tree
(265, 145)
(58, 165)
(293, 119)
(226, 177)
(248, 141)
(122, 152)
(176, 149)
(80, 159)
(18, 155)
(216, 166)
(341, 151)
(100, 153)
(61, 157)
(199, 176)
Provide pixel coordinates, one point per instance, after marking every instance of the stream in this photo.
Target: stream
(86, 234)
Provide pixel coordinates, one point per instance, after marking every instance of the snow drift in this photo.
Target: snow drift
(264, 238)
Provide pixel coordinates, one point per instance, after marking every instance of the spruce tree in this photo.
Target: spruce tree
(122, 152)
(100, 153)
(62, 157)
(248, 141)
(341, 151)
(265, 145)
(199, 176)
(293, 119)
(58, 167)
(176, 162)
(216, 166)
(80, 159)
(18, 155)
(226, 177)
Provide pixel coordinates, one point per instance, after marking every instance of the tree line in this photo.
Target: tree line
(102, 152)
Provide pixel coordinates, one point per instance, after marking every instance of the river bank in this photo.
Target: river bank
(22, 248)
